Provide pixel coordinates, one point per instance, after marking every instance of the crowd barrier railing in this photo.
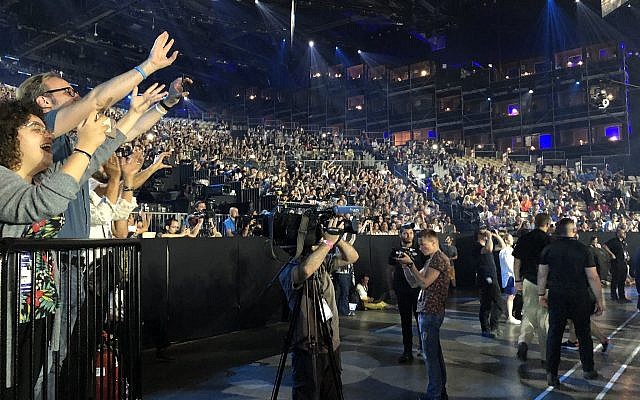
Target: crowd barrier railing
(70, 319)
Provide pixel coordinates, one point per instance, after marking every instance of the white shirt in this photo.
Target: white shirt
(506, 264)
(362, 291)
(103, 212)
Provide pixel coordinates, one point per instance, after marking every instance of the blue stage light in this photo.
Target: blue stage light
(311, 43)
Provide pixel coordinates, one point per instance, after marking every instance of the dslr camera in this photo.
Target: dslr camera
(411, 252)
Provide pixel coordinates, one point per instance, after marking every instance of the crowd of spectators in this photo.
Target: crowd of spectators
(313, 167)
(500, 197)
(7, 92)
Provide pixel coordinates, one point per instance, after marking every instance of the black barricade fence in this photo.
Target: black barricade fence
(195, 288)
(70, 319)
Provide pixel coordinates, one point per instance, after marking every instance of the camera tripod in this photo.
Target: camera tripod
(319, 334)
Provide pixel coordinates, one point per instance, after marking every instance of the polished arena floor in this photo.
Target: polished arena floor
(242, 365)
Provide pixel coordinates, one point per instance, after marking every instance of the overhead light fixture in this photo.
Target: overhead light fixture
(359, 51)
(530, 91)
(311, 43)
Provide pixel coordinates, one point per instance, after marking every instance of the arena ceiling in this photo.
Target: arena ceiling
(238, 42)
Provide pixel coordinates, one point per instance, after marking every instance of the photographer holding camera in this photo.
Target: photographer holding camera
(203, 217)
(406, 292)
(314, 268)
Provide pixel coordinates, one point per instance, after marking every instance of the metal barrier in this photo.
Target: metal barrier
(70, 319)
(158, 219)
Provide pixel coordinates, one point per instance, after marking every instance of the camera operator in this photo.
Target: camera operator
(406, 292)
(201, 216)
(316, 262)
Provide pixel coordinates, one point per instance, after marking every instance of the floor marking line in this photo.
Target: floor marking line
(567, 374)
(618, 373)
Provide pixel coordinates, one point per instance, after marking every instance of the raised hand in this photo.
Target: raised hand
(140, 103)
(177, 90)
(132, 165)
(334, 224)
(112, 168)
(158, 161)
(158, 57)
(92, 132)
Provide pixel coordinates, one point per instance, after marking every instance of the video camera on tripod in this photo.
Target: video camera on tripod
(286, 222)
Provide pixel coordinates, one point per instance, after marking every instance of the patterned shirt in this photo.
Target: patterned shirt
(46, 294)
(432, 299)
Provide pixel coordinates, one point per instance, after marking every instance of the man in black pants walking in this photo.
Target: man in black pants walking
(617, 249)
(568, 269)
(491, 303)
(406, 292)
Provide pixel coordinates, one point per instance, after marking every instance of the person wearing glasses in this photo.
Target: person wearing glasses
(64, 109)
(34, 194)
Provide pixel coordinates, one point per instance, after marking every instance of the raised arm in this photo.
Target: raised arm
(137, 107)
(112, 91)
(304, 270)
(488, 246)
(144, 175)
(154, 114)
(23, 202)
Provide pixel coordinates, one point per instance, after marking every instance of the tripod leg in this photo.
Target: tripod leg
(285, 349)
(328, 342)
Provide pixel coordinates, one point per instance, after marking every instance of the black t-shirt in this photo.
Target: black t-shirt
(399, 281)
(486, 263)
(527, 250)
(567, 259)
(618, 248)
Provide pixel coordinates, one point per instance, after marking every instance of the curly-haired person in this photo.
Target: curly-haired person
(34, 193)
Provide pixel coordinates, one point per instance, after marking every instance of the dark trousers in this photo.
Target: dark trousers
(27, 372)
(306, 386)
(407, 304)
(491, 306)
(618, 278)
(343, 283)
(563, 305)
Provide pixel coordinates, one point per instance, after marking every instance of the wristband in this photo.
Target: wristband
(160, 109)
(127, 189)
(137, 68)
(77, 150)
(164, 104)
(542, 295)
(520, 281)
(328, 243)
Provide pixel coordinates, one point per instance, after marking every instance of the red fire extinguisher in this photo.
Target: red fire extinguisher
(107, 370)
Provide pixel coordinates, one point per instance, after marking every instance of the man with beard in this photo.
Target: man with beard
(406, 292)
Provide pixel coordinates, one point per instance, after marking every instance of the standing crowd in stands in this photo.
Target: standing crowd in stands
(63, 177)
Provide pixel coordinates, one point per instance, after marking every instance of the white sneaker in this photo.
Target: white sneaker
(514, 321)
